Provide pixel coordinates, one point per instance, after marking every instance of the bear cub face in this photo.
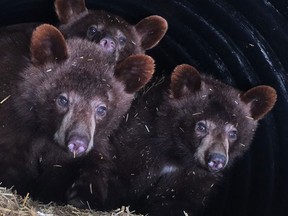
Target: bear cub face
(75, 92)
(214, 123)
(112, 31)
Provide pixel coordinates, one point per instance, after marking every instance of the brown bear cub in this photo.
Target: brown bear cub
(110, 30)
(174, 145)
(63, 104)
(119, 39)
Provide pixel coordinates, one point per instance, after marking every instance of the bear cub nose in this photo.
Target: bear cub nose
(77, 145)
(108, 44)
(216, 162)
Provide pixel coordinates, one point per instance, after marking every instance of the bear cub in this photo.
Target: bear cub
(64, 104)
(112, 31)
(177, 141)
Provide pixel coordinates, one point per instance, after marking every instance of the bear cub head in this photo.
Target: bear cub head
(74, 93)
(213, 123)
(112, 31)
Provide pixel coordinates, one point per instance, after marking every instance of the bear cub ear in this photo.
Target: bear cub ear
(47, 45)
(261, 100)
(135, 72)
(151, 30)
(67, 9)
(185, 80)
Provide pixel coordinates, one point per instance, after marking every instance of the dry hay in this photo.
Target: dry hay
(12, 204)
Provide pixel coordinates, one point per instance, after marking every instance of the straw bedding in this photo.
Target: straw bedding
(12, 204)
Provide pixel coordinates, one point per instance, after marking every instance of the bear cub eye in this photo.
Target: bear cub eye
(122, 40)
(232, 135)
(62, 101)
(92, 32)
(201, 127)
(101, 111)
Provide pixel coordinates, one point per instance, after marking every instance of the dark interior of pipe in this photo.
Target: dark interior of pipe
(243, 43)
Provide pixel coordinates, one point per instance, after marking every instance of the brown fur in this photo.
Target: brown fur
(125, 39)
(15, 41)
(176, 144)
(67, 10)
(138, 38)
(67, 97)
(42, 40)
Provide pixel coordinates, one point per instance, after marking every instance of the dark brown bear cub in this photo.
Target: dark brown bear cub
(65, 103)
(173, 147)
(110, 30)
